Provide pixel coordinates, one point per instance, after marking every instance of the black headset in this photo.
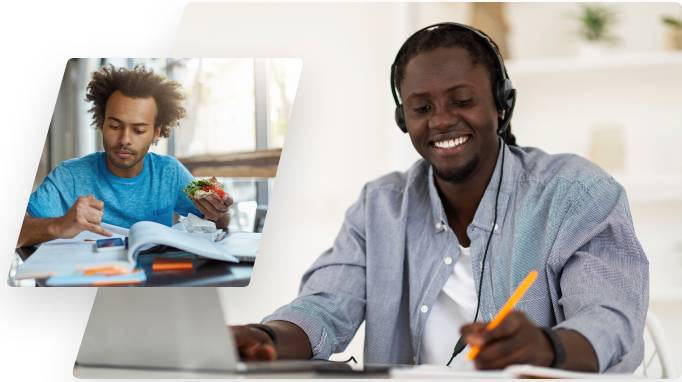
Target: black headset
(504, 94)
(505, 99)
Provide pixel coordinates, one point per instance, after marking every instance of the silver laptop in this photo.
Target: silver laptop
(173, 329)
(242, 245)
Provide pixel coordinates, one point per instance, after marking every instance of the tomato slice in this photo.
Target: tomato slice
(218, 191)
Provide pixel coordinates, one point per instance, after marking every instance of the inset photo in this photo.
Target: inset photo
(156, 172)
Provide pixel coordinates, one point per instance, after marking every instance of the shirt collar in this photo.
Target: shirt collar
(486, 209)
(104, 170)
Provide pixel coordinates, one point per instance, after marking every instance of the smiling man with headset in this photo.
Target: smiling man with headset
(423, 254)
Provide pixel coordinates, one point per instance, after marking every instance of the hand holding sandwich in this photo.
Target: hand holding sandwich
(208, 196)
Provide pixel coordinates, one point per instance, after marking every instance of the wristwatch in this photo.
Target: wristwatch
(266, 329)
(558, 346)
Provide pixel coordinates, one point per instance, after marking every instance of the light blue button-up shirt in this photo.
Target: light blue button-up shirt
(559, 214)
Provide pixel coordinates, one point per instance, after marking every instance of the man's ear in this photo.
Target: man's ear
(157, 132)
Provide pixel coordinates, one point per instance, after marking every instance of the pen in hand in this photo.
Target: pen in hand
(508, 306)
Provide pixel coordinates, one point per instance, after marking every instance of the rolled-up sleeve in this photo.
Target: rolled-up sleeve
(604, 276)
(331, 302)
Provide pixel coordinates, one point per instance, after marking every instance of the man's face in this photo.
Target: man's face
(128, 132)
(450, 112)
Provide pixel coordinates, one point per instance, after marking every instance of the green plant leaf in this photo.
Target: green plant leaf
(672, 22)
(596, 22)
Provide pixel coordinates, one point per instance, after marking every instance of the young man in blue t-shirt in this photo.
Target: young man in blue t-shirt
(125, 183)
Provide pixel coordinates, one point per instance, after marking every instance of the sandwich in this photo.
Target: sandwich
(201, 189)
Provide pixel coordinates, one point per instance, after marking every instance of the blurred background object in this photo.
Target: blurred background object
(237, 108)
(491, 18)
(596, 22)
(674, 37)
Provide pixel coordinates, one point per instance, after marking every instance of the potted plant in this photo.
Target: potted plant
(674, 37)
(596, 24)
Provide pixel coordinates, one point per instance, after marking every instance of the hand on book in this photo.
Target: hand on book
(516, 340)
(84, 215)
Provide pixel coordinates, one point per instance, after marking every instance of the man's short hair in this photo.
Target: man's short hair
(137, 83)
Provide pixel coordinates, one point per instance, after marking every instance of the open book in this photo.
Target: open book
(77, 256)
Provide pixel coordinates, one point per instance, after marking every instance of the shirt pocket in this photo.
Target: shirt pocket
(163, 216)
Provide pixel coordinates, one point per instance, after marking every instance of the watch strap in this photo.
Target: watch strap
(266, 329)
(558, 346)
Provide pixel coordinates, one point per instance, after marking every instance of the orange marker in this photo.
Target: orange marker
(508, 306)
(113, 270)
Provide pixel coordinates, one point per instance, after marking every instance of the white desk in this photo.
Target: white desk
(400, 372)
(418, 372)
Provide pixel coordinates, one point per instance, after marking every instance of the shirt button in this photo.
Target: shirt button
(438, 226)
(425, 308)
(448, 260)
(495, 226)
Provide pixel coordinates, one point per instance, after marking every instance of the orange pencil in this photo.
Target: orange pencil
(508, 306)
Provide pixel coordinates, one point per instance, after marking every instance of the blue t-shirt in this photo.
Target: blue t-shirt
(152, 195)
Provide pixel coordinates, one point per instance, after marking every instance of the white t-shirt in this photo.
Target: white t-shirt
(455, 306)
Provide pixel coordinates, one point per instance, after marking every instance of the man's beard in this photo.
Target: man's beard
(457, 174)
(118, 162)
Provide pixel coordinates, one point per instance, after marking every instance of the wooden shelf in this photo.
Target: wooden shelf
(606, 62)
(253, 164)
(236, 171)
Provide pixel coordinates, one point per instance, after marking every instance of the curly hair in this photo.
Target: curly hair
(450, 36)
(137, 83)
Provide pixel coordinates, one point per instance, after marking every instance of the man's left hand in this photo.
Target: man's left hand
(516, 340)
(215, 209)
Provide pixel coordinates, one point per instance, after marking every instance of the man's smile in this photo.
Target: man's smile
(449, 146)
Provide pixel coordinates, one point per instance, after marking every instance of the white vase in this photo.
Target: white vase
(674, 39)
(591, 50)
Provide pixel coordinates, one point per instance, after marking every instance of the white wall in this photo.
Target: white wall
(548, 30)
(341, 133)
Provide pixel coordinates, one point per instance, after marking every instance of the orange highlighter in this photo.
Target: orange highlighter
(508, 306)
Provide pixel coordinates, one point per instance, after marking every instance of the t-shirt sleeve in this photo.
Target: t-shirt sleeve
(183, 205)
(55, 196)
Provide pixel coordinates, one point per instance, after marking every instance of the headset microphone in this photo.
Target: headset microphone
(505, 100)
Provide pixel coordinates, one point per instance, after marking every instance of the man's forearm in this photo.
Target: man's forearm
(293, 343)
(37, 230)
(580, 354)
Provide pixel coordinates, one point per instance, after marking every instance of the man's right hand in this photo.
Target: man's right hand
(253, 344)
(84, 215)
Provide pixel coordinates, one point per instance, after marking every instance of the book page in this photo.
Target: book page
(529, 371)
(143, 234)
(66, 258)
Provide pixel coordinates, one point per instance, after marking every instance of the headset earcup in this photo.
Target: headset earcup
(505, 94)
(400, 118)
